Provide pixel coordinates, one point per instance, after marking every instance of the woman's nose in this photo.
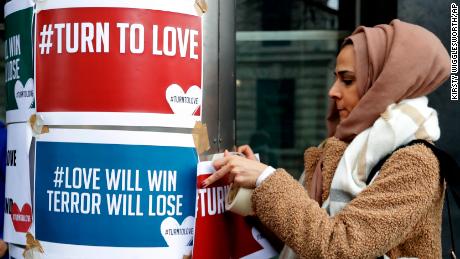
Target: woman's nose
(334, 92)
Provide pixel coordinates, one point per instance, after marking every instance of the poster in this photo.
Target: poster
(15, 252)
(18, 206)
(19, 73)
(212, 235)
(221, 234)
(115, 194)
(115, 62)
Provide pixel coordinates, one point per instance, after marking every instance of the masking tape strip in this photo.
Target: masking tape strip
(200, 138)
(201, 7)
(36, 123)
(238, 200)
(32, 246)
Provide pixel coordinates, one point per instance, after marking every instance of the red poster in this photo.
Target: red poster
(107, 61)
(220, 234)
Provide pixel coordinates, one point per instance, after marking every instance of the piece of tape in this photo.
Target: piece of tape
(238, 200)
(33, 248)
(36, 123)
(29, 135)
(200, 138)
(201, 7)
(213, 157)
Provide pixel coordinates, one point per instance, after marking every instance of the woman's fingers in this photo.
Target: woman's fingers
(220, 162)
(217, 175)
(242, 171)
(247, 151)
(223, 166)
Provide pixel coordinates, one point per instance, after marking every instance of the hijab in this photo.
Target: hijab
(394, 61)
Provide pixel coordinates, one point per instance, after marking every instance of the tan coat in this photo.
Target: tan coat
(398, 214)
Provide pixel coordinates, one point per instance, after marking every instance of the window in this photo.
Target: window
(285, 56)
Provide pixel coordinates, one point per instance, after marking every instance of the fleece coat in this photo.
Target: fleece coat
(399, 214)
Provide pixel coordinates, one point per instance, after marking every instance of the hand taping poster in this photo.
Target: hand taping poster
(151, 53)
(115, 194)
(221, 234)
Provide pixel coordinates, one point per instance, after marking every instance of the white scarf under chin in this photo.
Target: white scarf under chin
(400, 123)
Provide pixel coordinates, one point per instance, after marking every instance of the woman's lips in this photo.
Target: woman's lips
(343, 112)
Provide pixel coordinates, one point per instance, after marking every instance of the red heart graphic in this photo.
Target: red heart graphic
(22, 219)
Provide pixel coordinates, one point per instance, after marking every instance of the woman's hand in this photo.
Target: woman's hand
(243, 172)
(3, 248)
(247, 152)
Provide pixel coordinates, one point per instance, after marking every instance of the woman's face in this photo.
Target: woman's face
(344, 91)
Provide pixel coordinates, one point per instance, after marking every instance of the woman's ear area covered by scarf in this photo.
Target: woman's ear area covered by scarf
(394, 62)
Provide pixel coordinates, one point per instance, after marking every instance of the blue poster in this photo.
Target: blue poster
(115, 189)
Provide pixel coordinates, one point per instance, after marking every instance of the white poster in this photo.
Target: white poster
(18, 206)
(15, 252)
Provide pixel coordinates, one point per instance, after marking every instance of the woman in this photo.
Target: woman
(378, 104)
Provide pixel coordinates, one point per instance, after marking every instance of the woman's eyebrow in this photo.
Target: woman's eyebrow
(346, 73)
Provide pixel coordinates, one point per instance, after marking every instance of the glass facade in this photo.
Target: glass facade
(285, 56)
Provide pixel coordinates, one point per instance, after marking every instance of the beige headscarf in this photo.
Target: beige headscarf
(393, 62)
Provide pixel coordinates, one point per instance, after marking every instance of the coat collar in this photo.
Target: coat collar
(331, 150)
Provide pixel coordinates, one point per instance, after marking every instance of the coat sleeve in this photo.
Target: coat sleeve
(378, 219)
